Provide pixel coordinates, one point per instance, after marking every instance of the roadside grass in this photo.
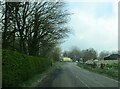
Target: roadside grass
(35, 80)
(109, 70)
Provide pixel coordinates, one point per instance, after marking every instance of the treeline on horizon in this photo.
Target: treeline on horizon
(87, 54)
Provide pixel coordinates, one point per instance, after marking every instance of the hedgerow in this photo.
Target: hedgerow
(17, 67)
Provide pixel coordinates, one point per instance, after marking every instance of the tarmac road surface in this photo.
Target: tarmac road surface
(70, 75)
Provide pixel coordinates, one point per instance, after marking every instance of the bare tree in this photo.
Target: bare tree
(89, 54)
(34, 28)
(103, 54)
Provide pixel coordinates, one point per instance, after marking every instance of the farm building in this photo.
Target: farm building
(112, 57)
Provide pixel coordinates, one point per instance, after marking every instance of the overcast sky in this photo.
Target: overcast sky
(94, 25)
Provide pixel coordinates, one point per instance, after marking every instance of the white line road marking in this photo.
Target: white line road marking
(83, 83)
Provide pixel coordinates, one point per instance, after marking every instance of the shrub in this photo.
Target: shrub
(18, 67)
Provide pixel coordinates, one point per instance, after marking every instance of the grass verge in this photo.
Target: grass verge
(109, 72)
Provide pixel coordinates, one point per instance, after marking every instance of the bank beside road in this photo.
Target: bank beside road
(36, 80)
(109, 70)
(20, 70)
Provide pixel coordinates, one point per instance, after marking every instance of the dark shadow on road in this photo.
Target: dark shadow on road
(47, 82)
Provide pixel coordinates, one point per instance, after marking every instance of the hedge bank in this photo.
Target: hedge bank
(17, 67)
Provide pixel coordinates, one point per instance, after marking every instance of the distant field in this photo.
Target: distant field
(108, 61)
(102, 61)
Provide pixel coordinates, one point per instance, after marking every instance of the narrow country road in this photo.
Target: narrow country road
(70, 75)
